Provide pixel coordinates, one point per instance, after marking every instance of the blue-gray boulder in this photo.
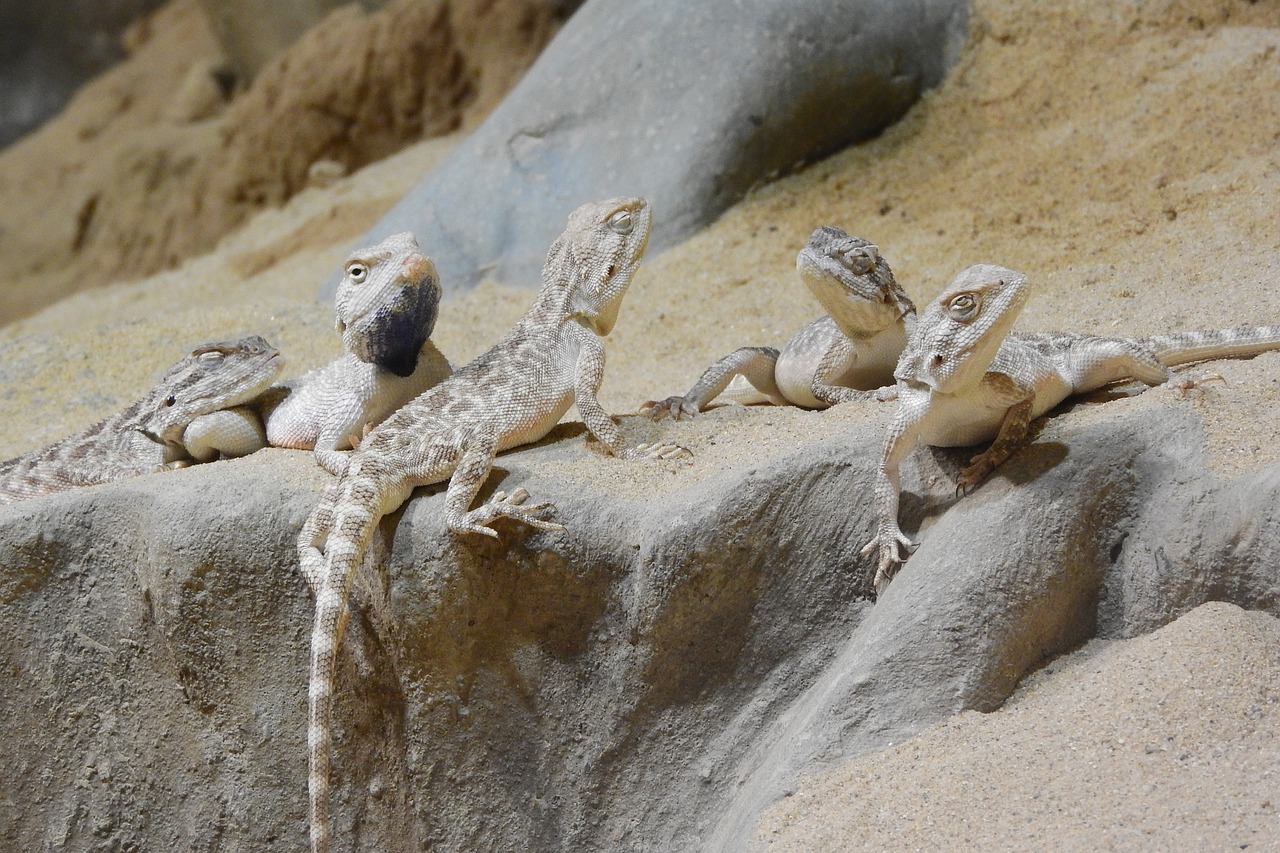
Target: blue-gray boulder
(687, 104)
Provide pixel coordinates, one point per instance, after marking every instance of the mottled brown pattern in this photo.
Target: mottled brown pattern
(512, 394)
(964, 379)
(149, 434)
(847, 355)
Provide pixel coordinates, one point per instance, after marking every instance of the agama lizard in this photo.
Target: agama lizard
(178, 422)
(964, 379)
(511, 395)
(847, 355)
(387, 305)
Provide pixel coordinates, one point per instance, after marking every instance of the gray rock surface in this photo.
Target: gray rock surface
(687, 104)
(650, 679)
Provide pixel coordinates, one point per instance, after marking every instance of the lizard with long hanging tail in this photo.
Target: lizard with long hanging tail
(511, 395)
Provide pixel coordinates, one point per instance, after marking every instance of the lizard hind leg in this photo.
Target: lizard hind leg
(746, 374)
(503, 505)
(472, 470)
(345, 524)
(1100, 362)
(312, 537)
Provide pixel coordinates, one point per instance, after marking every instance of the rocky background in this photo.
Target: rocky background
(1081, 654)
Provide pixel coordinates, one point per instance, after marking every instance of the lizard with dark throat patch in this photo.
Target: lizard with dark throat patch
(386, 307)
(511, 395)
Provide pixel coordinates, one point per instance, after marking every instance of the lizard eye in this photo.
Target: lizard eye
(621, 222)
(962, 306)
(169, 401)
(209, 358)
(862, 260)
(357, 272)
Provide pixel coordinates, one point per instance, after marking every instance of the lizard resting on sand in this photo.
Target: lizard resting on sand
(177, 422)
(964, 379)
(847, 355)
(511, 395)
(387, 305)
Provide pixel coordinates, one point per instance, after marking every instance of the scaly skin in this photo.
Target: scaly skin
(964, 379)
(175, 424)
(513, 394)
(848, 355)
(386, 310)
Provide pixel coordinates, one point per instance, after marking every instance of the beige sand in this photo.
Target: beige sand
(1125, 156)
(1166, 742)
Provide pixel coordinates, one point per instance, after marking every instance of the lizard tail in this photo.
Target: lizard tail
(1187, 347)
(342, 554)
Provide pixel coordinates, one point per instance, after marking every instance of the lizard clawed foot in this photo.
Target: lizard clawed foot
(972, 475)
(889, 544)
(663, 450)
(503, 505)
(672, 407)
(1189, 383)
(887, 394)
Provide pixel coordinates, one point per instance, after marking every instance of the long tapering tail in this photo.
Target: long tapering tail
(1186, 347)
(352, 526)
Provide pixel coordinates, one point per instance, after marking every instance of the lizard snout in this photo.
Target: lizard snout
(414, 266)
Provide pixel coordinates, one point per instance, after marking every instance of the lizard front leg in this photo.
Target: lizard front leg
(588, 375)
(755, 364)
(1012, 435)
(333, 433)
(890, 542)
(228, 433)
(837, 360)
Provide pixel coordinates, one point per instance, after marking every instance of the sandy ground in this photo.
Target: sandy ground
(1125, 157)
(1163, 742)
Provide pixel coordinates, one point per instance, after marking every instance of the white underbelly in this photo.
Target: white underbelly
(962, 421)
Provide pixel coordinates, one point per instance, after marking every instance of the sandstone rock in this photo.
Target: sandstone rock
(689, 105)
(150, 165)
(253, 31)
(650, 679)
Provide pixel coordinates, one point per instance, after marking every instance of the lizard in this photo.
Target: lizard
(965, 378)
(173, 425)
(847, 355)
(386, 309)
(513, 394)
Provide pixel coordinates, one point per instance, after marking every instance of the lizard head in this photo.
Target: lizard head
(852, 281)
(960, 331)
(213, 377)
(387, 303)
(600, 249)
